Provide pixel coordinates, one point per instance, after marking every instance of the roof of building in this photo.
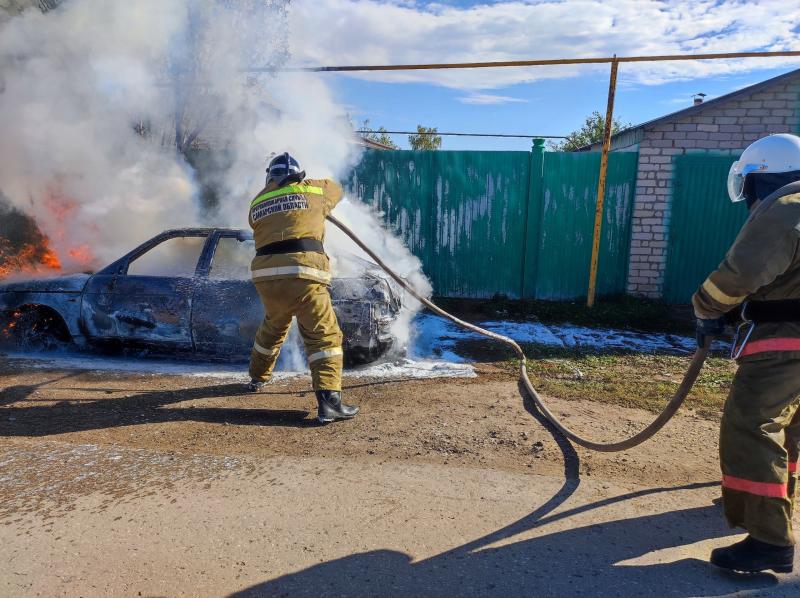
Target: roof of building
(683, 113)
(373, 144)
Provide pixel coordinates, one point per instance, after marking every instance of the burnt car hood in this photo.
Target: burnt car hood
(61, 284)
(371, 284)
(366, 289)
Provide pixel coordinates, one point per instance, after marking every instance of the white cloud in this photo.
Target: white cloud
(353, 32)
(485, 99)
(684, 101)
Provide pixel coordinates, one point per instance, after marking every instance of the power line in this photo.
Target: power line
(462, 134)
(520, 63)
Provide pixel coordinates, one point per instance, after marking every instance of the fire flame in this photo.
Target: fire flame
(39, 258)
(82, 255)
(29, 259)
(8, 329)
(36, 256)
(63, 211)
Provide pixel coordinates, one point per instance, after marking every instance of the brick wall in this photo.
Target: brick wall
(726, 126)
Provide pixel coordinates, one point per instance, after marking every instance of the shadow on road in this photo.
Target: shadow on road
(21, 392)
(582, 561)
(112, 410)
(142, 407)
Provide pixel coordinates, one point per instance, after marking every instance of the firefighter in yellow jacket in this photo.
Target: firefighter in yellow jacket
(291, 273)
(760, 430)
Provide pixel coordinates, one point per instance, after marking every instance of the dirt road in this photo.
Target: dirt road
(156, 485)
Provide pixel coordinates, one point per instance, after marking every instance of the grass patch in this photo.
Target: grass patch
(631, 380)
(643, 381)
(632, 313)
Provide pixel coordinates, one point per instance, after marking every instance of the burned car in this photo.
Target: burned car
(185, 290)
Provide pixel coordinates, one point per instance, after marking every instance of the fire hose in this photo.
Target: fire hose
(696, 364)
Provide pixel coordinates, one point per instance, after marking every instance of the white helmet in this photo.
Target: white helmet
(773, 154)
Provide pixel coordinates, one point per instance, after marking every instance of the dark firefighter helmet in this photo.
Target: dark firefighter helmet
(284, 169)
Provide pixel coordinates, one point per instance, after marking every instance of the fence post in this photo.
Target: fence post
(601, 184)
(533, 221)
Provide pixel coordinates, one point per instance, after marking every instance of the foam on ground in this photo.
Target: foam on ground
(432, 354)
(399, 368)
(438, 336)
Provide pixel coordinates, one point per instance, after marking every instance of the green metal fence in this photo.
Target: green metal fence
(511, 223)
(703, 223)
(568, 209)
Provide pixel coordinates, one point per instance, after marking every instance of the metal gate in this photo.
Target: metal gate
(703, 223)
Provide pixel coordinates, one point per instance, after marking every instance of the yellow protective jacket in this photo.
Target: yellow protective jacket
(294, 211)
(763, 264)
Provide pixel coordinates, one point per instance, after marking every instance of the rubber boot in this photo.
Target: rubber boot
(752, 556)
(330, 407)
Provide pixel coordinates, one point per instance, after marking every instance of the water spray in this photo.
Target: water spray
(689, 378)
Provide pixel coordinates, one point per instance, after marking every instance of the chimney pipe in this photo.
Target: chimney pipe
(698, 98)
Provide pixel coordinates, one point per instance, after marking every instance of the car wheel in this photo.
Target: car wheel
(362, 355)
(39, 330)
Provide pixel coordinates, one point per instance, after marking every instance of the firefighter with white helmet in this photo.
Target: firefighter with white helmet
(760, 430)
(291, 273)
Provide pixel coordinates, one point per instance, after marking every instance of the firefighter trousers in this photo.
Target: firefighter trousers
(310, 303)
(758, 445)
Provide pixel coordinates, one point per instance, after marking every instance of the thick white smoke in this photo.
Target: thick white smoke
(72, 84)
(361, 220)
(100, 101)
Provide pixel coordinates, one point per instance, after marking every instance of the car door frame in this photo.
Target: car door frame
(107, 280)
(200, 325)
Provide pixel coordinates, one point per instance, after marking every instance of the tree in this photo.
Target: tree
(590, 132)
(425, 139)
(377, 135)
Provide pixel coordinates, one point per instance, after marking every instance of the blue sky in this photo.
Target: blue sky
(552, 107)
(540, 100)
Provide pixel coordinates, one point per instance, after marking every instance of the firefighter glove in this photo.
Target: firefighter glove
(708, 329)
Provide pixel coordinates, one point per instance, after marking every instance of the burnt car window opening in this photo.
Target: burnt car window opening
(175, 257)
(232, 259)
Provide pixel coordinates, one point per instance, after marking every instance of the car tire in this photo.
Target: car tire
(39, 330)
(363, 356)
